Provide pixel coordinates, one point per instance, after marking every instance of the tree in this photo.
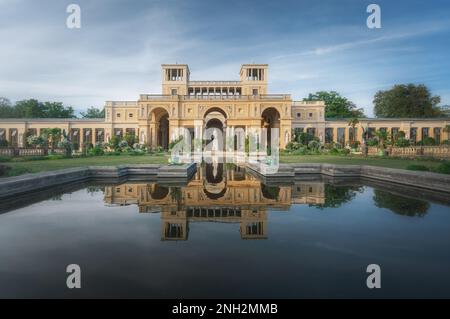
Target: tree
(93, 113)
(6, 108)
(335, 195)
(353, 122)
(29, 109)
(57, 110)
(336, 106)
(407, 100)
(32, 108)
(52, 136)
(399, 204)
(36, 141)
(382, 138)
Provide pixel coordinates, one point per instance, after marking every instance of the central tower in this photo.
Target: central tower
(254, 79)
(175, 78)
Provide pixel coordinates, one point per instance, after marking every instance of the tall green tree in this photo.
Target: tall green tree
(336, 106)
(407, 100)
(6, 108)
(93, 113)
(57, 110)
(352, 123)
(32, 108)
(29, 109)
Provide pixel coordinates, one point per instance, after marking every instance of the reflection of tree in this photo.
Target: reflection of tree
(94, 189)
(400, 205)
(56, 197)
(270, 192)
(335, 196)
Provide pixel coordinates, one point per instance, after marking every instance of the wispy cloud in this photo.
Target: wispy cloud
(309, 46)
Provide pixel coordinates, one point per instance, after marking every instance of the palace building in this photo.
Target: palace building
(225, 105)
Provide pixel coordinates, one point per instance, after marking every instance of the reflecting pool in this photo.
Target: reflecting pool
(226, 235)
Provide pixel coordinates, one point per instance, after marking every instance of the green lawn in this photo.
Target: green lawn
(18, 168)
(359, 160)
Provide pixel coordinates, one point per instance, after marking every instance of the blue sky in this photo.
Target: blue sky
(309, 46)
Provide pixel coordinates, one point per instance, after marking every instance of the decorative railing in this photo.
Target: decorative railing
(148, 97)
(269, 97)
(275, 97)
(24, 151)
(121, 103)
(195, 83)
(440, 152)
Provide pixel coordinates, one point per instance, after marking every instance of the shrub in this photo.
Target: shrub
(314, 145)
(444, 168)
(130, 139)
(123, 144)
(136, 152)
(96, 151)
(328, 146)
(114, 142)
(354, 144)
(36, 141)
(402, 142)
(300, 151)
(67, 146)
(372, 142)
(428, 141)
(415, 167)
(292, 146)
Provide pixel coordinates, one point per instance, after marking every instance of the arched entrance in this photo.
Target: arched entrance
(270, 120)
(215, 128)
(160, 118)
(214, 184)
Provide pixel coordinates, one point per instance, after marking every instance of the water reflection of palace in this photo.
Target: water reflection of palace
(215, 194)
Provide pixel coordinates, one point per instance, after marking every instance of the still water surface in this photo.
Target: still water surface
(226, 235)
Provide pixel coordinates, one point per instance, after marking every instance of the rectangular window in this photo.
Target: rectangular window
(352, 133)
(425, 132)
(370, 132)
(437, 134)
(394, 132)
(118, 115)
(299, 114)
(310, 115)
(130, 115)
(255, 91)
(174, 91)
(311, 131)
(329, 135)
(413, 134)
(341, 136)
